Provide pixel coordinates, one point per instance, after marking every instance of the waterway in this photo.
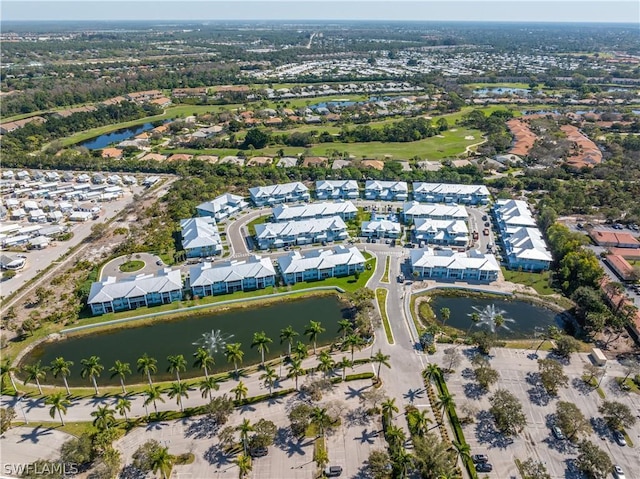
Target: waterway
(183, 336)
(117, 136)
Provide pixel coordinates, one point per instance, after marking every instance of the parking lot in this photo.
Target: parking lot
(517, 369)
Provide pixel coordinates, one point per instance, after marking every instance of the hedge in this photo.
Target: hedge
(354, 377)
(263, 397)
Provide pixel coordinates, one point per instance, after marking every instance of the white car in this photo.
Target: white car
(618, 473)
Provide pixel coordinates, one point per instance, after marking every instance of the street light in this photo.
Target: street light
(24, 414)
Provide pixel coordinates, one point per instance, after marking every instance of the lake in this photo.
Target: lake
(178, 336)
(502, 91)
(117, 136)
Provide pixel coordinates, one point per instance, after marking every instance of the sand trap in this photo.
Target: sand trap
(469, 137)
(453, 129)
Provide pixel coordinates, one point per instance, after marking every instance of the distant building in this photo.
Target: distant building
(282, 193)
(386, 190)
(335, 189)
(278, 235)
(200, 237)
(450, 193)
(447, 264)
(320, 264)
(222, 207)
(230, 276)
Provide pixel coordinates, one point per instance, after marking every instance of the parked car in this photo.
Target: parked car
(159, 262)
(484, 467)
(487, 224)
(618, 473)
(619, 437)
(259, 452)
(485, 231)
(479, 458)
(333, 471)
(558, 434)
(484, 217)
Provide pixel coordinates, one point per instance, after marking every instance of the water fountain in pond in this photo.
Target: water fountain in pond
(487, 316)
(213, 341)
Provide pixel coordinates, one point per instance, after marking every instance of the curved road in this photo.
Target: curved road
(112, 268)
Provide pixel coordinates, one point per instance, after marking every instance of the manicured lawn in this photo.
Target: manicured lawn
(251, 226)
(537, 281)
(348, 283)
(385, 276)
(381, 298)
(131, 266)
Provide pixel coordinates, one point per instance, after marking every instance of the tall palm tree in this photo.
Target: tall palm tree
(402, 459)
(153, 394)
(261, 341)
(388, 408)
(300, 351)
(35, 373)
(381, 359)
(104, 417)
(475, 319)
(498, 322)
(120, 369)
(207, 385)
(60, 367)
(287, 335)
(295, 370)
(234, 355)
(177, 363)
(244, 465)
(59, 403)
(445, 314)
(325, 364)
(179, 390)
(123, 405)
(419, 422)
(395, 437)
(240, 391)
(432, 372)
(313, 330)
(445, 400)
(147, 365)
(6, 371)
(353, 341)
(269, 377)
(463, 450)
(344, 363)
(162, 461)
(345, 326)
(92, 368)
(203, 360)
(320, 417)
(245, 428)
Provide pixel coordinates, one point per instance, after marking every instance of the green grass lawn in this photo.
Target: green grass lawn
(385, 276)
(538, 281)
(251, 226)
(131, 266)
(381, 297)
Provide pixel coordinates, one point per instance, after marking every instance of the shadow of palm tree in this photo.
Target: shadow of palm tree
(247, 408)
(367, 436)
(203, 427)
(412, 394)
(352, 393)
(215, 455)
(35, 434)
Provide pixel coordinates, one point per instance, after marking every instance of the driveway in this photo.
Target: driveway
(112, 268)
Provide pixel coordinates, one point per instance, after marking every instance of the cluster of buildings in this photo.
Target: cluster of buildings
(622, 247)
(225, 277)
(472, 265)
(524, 247)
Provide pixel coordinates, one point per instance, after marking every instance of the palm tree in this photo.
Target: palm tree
(179, 390)
(325, 364)
(320, 417)
(35, 372)
(207, 385)
(395, 436)
(445, 400)
(300, 351)
(123, 405)
(381, 359)
(147, 365)
(419, 422)
(286, 335)
(353, 341)
(177, 363)
(240, 391)
(475, 319)
(234, 354)
(498, 322)
(552, 332)
(402, 459)
(59, 403)
(204, 360)
(295, 370)
(153, 394)
(432, 372)
(261, 341)
(60, 367)
(244, 465)
(463, 449)
(162, 461)
(91, 367)
(345, 326)
(104, 417)
(269, 377)
(313, 330)
(120, 369)
(388, 408)
(445, 314)
(344, 363)
(245, 428)
(6, 371)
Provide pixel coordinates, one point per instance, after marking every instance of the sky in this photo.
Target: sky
(602, 11)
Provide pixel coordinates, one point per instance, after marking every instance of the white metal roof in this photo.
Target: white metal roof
(320, 259)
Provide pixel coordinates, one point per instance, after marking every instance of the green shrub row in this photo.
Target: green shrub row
(354, 377)
(263, 397)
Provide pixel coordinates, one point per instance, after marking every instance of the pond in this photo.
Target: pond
(502, 91)
(183, 336)
(521, 319)
(117, 136)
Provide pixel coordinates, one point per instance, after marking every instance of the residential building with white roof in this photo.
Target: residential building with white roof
(344, 209)
(450, 193)
(320, 264)
(381, 228)
(441, 232)
(448, 264)
(412, 211)
(209, 279)
(200, 237)
(135, 291)
(386, 190)
(334, 189)
(281, 193)
(222, 207)
(278, 235)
